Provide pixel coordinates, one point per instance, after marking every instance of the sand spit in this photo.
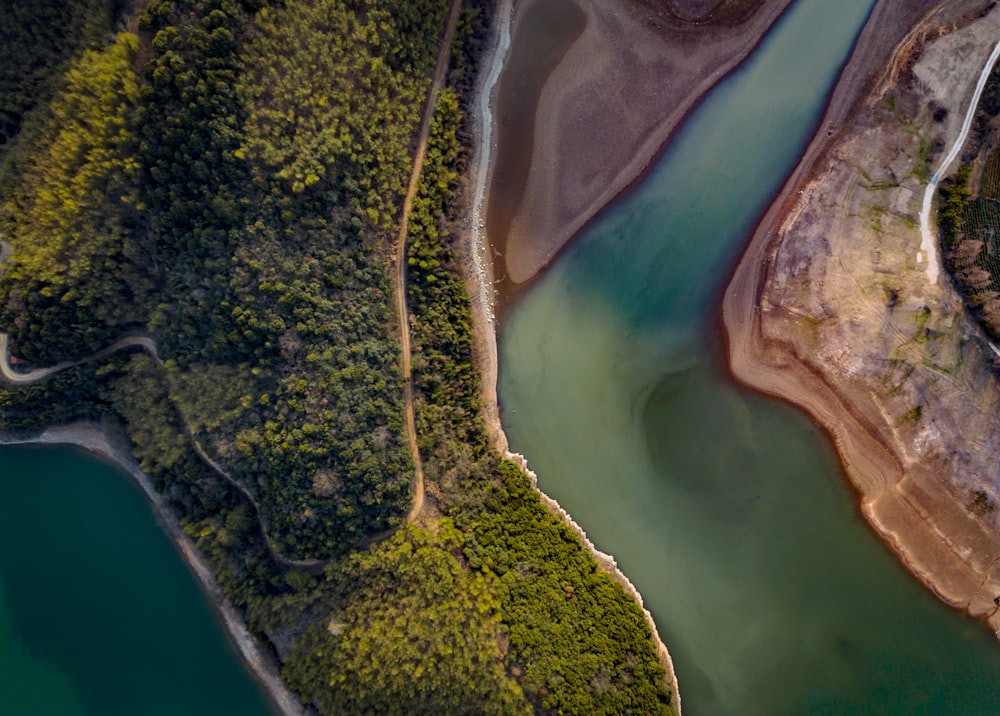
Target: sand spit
(850, 328)
(606, 110)
(96, 440)
(479, 278)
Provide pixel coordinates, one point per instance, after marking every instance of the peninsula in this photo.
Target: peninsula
(232, 261)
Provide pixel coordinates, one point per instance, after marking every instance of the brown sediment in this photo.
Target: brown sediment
(548, 29)
(606, 110)
(830, 311)
(478, 269)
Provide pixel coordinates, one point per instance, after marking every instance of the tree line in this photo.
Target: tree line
(229, 181)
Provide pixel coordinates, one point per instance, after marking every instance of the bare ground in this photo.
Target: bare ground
(410, 425)
(850, 328)
(610, 105)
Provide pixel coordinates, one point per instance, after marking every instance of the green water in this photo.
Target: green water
(727, 510)
(98, 615)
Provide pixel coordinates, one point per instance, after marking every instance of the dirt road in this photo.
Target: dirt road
(440, 71)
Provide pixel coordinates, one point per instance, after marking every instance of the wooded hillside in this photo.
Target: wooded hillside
(228, 183)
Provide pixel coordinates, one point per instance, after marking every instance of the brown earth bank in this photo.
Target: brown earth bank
(831, 307)
(582, 111)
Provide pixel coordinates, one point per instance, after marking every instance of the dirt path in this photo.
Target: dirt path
(36, 374)
(928, 242)
(149, 346)
(440, 71)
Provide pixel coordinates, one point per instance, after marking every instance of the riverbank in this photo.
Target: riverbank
(479, 277)
(603, 113)
(831, 308)
(98, 441)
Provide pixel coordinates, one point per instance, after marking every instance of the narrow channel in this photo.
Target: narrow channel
(727, 510)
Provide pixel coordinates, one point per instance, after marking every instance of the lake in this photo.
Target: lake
(727, 510)
(98, 614)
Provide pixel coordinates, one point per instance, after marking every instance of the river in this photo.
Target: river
(98, 614)
(727, 510)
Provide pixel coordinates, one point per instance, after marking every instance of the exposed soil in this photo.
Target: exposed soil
(715, 12)
(831, 307)
(604, 111)
(409, 422)
(479, 272)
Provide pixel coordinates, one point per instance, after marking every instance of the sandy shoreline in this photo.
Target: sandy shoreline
(917, 516)
(607, 110)
(93, 439)
(479, 278)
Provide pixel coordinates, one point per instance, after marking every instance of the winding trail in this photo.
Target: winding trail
(149, 346)
(928, 242)
(410, 424)
(36, 374)
(22, 378)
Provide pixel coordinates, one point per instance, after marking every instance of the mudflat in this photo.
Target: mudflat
(832, 309)
(582, 117)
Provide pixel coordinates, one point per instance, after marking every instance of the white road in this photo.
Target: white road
(928, 241)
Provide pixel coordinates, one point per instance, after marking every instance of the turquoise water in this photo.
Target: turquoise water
(726, 509)
(98, 614)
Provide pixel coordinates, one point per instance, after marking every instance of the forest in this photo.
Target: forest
(969, 215)
(225, 178)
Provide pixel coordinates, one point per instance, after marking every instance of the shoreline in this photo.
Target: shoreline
(479, 276)
(560, 207)
(95, 440)
(903, 508)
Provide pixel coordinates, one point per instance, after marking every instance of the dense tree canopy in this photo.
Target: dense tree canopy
(229, 183)
(37, 39)
(74, 283)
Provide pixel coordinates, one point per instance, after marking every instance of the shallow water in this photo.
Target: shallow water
(546, 31)
(726, 509)
(98, 614)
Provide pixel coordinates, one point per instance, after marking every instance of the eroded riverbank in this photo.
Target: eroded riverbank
(851, 328)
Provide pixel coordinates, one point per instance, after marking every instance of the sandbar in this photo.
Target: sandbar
(618, 84)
